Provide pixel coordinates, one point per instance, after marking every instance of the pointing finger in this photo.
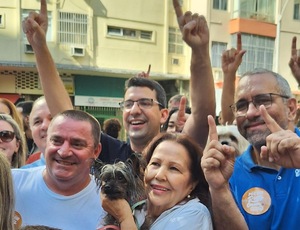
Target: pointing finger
(177, 8)
(181, 108)
(294, 46)
(239, 42)
(212, 133)
(149, 68)
(270, 122)
(43, 8)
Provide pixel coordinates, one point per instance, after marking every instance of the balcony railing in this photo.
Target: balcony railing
(259, 16)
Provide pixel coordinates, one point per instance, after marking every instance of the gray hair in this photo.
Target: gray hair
(283, 86)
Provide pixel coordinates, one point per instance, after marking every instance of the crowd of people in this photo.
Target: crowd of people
(192, 177)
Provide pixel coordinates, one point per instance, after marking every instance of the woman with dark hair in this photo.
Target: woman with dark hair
(172, 125)
(177, 192)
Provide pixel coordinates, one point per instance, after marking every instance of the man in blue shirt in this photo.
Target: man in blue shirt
(260, 190)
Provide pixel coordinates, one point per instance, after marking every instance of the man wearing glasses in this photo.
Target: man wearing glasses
(144, 110)
(263, 184)
(144, 106)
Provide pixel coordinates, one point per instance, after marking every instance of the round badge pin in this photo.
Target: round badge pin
(256, 201)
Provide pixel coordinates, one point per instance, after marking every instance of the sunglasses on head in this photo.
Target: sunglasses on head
(7, 136)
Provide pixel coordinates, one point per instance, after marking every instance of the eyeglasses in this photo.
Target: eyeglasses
(143, 103)
(7, 136)
(241, 107)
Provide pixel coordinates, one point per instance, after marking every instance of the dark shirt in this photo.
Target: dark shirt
(113, 149)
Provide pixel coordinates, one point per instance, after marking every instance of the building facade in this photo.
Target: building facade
(98, 44)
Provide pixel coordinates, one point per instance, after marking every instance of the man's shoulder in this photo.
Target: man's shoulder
(27, 172)
(113, 149)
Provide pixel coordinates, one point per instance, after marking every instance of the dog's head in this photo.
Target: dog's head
(121, 179)
(229, 135)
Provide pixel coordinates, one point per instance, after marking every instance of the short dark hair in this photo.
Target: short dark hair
(79, 115)
(174, 110)
(26, 107)
(195, 154)
(112, 127)
(151, 84)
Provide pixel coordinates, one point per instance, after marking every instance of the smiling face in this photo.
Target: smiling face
(8, 148)
(252, 126)
(168, 176)
(142, 124)
(39, 120)
(69, 153)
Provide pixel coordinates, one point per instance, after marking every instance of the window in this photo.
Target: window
(262, 10)
(49, 37)
(72, 28)
(175, 41)
(146, 35)
(114, 31)
(220, 4)
(297, 9)
(129, 33)
(217, 49)
(2, 20)
(259, 52)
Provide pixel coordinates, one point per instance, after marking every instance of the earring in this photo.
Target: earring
(189, 196)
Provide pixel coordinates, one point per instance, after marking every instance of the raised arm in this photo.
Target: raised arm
(195, 33)
(294, 62)
(35, 27)
(217, 164)
(231, 60)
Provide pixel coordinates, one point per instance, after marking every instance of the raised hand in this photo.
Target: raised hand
(193, 27)
(145, 75)
(218, 160)
(35, 26)
(294, 62)
(195, 33)
(282, 146)
(231, 59)
(181, 116)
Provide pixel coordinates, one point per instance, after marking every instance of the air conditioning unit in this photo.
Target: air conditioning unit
(28, 49)
(77, 51)
(175, 61)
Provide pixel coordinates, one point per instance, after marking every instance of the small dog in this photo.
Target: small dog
(121, 180)
(229, 135)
